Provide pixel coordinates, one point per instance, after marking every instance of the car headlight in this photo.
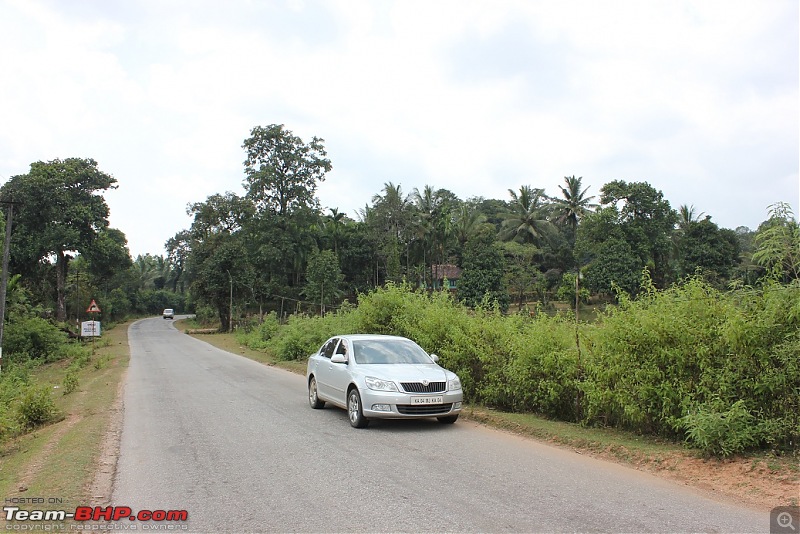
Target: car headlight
(380, 385)
(454, 384)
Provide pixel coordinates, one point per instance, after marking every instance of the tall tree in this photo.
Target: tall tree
(602, 247)
(391, 217)
(575, 205)
(713, 250)
(109, 255)
(323, 279)
(60, 210)
(647, 220)
(178, 249)
(282, 172)
(528, 220)
(687, 216)
(521, 272)
(482, 277)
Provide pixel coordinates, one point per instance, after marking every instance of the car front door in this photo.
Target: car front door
(324, 370)
(340, 373)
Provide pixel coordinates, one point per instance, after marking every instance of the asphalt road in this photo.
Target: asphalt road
(235, 444)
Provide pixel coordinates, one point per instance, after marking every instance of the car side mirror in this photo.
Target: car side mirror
(338, 358)
(435, 358)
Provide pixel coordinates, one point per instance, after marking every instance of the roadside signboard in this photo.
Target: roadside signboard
(90, 329)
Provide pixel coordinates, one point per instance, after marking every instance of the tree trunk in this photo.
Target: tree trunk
(61, 282)
(224, 317)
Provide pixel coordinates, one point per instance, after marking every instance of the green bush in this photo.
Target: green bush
(302, 336)
(70, 382)
(650, 360)
(258, 336)
(721, 433)
(34, 337)
(13, 382)
(36, 407)
(541, 373)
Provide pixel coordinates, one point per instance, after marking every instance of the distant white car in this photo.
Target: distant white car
(382, 377)
(169, 313)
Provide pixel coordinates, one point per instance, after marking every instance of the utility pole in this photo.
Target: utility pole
(4, 281)
(577, 302)
(230, 310)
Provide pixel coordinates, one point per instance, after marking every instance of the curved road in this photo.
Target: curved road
(235, 444)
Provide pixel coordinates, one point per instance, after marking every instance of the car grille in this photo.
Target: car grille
(424, 409)
(418, 387)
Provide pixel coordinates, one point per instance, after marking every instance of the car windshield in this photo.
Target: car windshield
(369, 351)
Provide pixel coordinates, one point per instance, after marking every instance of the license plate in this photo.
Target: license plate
(427, 400)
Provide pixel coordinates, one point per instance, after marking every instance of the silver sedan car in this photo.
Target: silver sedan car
(386, 377)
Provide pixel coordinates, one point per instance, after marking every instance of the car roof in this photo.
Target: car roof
(360, 337)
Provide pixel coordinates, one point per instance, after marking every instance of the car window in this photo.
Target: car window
(327, 348)
(382, 351)
(342, 348)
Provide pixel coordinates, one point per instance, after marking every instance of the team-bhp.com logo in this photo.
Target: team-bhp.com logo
(96, 513)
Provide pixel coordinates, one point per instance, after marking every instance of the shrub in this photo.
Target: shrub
(258, 337)
(541, 373)
(36, 407)
(650, 360)
(70, 382)
(719, 432)
(36, 337)
(13, 381)
(301, 336)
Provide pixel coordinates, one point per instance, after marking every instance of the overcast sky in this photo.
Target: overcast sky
(698, 98)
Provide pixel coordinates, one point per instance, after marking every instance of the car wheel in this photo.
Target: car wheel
(354, 411)
(313, 399)
(448, 419)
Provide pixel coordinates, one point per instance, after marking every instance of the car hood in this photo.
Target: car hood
(407, 372)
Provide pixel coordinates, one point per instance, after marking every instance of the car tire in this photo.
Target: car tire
(448, 419)
(313, 398)
(354, 410)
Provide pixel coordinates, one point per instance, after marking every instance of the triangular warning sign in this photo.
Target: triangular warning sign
(93, 307)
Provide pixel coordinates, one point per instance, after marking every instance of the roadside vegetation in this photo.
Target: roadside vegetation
(56, 412)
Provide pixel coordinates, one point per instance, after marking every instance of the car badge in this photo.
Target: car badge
(425, 382)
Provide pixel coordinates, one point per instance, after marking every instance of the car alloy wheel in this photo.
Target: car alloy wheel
(354, 411)
(313, 398)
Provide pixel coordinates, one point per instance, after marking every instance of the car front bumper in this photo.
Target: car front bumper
(394, 405)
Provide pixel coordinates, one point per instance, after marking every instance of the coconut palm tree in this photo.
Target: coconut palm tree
(575, 205)
(687, 215)
(528, 221)
(467, 222)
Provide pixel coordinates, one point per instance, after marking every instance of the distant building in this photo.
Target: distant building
(445, 271)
